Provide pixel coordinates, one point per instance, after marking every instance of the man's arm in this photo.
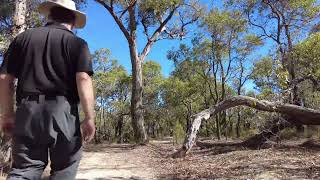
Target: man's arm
(85, 91)
(7, 102)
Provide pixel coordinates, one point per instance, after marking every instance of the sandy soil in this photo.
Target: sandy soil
(104, 162)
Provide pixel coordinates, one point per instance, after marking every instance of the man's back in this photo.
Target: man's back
(53, 69)
(46, 61)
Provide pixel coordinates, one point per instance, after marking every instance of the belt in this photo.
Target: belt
(42, 97)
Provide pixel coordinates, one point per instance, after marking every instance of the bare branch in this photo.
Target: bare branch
(156, 34)
(145, 29)
(260, 27)
(116, 18)
(123, 13)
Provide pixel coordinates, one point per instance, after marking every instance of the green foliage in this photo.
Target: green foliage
(253, 40)
(112, 89)
(179, 134)
(288, 133)
(6, 9)
(223, 22)
(269, 76)
(153, 78)
(158, 8)
(305, 8)
(308, 55)
(248, 133)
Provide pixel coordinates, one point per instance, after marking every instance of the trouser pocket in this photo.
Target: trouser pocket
(27, 121)
(67, 122)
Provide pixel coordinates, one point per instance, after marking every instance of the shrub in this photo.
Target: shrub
(178, 134)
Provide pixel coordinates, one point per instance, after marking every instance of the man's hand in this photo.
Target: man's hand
(7, 124)
(7, 117)
(85, 91)
(88, 130)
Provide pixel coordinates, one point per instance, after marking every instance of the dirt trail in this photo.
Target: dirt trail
(104, 162)
(221, 161)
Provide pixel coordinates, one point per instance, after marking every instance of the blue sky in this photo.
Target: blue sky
(102, 32)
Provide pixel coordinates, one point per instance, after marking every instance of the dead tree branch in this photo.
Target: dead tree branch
(296, 114)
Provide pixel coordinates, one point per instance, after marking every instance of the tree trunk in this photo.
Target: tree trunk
(293, 113)
(218, 127)
(238, 124)
(19, 17)
(119, 128)
(19, 21)
(189, 116)
(230, 129)
(136, 99)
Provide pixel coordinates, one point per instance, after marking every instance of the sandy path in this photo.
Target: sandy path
(104, 162)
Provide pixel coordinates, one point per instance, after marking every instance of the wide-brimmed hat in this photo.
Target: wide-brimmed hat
(45, 7)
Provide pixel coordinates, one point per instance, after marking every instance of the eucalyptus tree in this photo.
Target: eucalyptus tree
(190, 85)
(308, 73)
(247, 46)
(153, 82)
(284, 23)
(227, 46)
(112, 93)
(158, 20)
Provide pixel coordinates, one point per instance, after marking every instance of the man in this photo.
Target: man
(53, 69)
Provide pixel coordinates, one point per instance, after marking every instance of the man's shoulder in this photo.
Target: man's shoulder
(72, 38)
(80, 40)
(30, 32)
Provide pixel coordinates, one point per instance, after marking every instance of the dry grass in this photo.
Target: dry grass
(229, 162)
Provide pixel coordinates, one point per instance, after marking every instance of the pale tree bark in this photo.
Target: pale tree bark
(19, 21)
(137, 111)
(293, 114)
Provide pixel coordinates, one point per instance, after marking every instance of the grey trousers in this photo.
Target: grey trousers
(46, 128)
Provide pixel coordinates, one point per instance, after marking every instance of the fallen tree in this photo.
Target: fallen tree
(291, 113)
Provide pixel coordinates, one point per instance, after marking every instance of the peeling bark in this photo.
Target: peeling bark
(293, 113)
(19, 21)
(19, 17)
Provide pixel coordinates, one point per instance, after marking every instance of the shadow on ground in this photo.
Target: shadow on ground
(110, 147)
(114, 178)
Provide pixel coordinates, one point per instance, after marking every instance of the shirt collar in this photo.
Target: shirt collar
(57, 26)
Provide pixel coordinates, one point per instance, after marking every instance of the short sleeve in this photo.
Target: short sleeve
(83, 62)
(10, 64)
